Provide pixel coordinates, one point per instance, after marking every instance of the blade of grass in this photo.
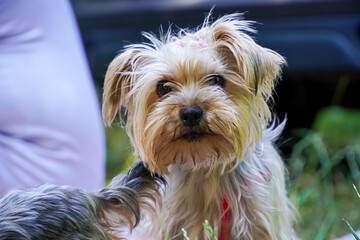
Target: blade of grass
(185, 234)
(357, 192)
(213, 232)
(325, 226)
(352, 230)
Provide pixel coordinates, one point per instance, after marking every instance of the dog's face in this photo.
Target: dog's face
(198, 99)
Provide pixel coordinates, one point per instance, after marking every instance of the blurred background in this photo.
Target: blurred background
(319, 92)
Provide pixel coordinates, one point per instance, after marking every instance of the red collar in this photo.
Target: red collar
(224, 233)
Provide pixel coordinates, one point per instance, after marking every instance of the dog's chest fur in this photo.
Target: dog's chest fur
(254, 191)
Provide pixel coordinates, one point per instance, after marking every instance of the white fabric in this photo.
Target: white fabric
(50, 124)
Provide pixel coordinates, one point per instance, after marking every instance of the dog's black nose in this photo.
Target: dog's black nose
(191, 116)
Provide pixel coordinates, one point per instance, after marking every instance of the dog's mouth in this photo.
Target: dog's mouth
(193, 136)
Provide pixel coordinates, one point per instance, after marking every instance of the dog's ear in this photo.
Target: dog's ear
(118, 82)
(258, 66)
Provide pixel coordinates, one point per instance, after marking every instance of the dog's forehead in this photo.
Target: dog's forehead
(189, 60)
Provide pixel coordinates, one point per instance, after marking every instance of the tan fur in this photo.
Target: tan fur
(236, 149)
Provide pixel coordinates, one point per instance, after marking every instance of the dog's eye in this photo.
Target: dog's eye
(216, 80)
(163, 88)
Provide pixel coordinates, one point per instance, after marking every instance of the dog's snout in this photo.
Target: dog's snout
(191, 116)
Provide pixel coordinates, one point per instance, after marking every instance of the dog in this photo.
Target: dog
(196, 107)
(64, 212)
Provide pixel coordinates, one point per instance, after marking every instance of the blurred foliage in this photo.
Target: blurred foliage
(119, 151)
(338, 127)
(324, 164)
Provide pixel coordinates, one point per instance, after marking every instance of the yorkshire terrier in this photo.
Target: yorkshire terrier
(197, 111)
(64, 212)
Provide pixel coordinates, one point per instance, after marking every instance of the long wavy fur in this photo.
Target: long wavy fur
(64, 212)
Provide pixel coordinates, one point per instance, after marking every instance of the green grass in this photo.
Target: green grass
(351, 229)
(212, 232)
(323, 165)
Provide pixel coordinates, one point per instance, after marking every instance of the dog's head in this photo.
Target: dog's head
(198, 99)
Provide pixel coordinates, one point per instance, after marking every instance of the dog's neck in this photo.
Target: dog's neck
(195, 196)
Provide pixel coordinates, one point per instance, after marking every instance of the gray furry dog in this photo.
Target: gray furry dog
(64, 212)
